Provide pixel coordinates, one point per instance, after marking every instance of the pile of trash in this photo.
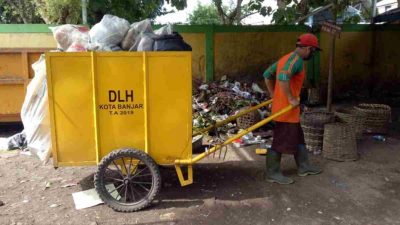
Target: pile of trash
(116, 34)
(216, 101)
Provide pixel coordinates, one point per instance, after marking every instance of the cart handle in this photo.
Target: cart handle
(232, 118)
(230, 140)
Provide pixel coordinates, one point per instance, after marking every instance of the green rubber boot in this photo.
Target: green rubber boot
(303, 165)
(274, 174)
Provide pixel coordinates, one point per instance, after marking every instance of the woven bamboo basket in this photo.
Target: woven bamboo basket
(313, 128)
(354, 118)
(248, 119)
(339, 142)
(377, 117)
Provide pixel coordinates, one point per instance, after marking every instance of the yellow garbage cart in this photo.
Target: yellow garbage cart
(127, 113)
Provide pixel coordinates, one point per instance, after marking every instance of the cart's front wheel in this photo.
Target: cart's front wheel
(127, 180)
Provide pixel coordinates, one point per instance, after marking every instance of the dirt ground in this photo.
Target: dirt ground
(366, 191)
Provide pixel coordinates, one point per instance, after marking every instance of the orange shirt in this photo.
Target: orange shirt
(289, 69)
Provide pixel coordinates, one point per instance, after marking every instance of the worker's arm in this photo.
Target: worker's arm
(293, 66)
(269, 77)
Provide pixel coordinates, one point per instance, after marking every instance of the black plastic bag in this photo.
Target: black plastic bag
(171, 42)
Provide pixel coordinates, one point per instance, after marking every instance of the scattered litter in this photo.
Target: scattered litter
(17, 141)
(47, 185)
(288, 209)
(28, 153)
(272, 220)
(387, 179)
(167, 216)
(25, 201)
(218, 100)
(53, 205)
(257, 88)
(23, 181)
(86, 199)
(319, 212)
(379, 137)
(69, 185)
(339, 184)
(338, 218)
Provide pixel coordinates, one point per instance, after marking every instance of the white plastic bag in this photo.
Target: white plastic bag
(109, 32)
(35, 113)
(146, 42)
(134, 35)
(165, 30)
(71, 37)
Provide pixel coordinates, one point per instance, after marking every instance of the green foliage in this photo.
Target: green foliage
(69, 11)
(295, 9)
(59, 11)
(131, 10)
(285, 15)
(204, 14)
(18, 11)
(234, 14)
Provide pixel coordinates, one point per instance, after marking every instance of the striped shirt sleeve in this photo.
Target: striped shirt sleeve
(270, 73)
(293, 66)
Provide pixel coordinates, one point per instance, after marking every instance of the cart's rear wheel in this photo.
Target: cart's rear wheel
(127, 180)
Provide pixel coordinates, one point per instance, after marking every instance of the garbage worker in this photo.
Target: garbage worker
(284, 80)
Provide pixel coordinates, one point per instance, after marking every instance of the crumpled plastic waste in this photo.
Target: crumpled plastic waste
(216, 101)
(109, 33)
(71, 38)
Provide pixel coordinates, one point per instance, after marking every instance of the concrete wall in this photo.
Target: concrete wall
(250, 53)
(197, 41)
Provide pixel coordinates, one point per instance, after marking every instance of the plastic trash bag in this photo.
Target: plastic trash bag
(109, 32)
(17, 141)
(71, 37)
(134, 35)
(146, 42)
(35, 113)
(171, 42)
(167, 29)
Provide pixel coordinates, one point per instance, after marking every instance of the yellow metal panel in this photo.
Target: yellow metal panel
(71, 107)
(11, 65)
(120, 101)
(125, 99)
(170, 111)
(11, 96)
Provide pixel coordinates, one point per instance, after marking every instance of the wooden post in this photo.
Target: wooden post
(331, 60)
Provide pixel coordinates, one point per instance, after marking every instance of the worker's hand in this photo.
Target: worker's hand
(294, 101)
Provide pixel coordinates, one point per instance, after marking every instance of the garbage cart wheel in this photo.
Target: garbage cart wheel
(127, 180)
